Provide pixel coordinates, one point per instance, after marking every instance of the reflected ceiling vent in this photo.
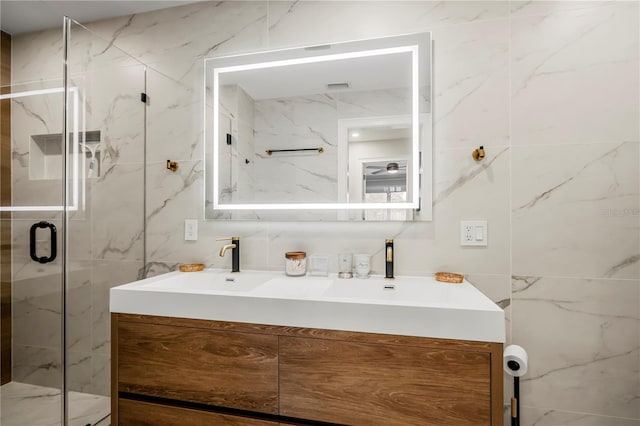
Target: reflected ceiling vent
(337, 86)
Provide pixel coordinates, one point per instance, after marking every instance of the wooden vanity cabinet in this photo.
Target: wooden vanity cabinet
(140, 413)
(227, 369)
(176, 371)
(367, 384)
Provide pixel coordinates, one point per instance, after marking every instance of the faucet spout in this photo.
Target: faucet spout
(235, 252)
(224, 249)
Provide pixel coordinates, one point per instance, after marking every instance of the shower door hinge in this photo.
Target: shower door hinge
(143, 97)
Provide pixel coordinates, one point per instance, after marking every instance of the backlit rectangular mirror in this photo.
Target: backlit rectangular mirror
(331, 132)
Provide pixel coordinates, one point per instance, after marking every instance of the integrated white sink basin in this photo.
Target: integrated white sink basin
(207, 281)
(284, 287)
(416, 306)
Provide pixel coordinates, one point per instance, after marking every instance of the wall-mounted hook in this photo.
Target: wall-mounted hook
(172, 165)
(246, 161)
(478, 154)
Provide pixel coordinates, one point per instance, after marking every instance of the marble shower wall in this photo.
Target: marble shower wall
(550, 88)
(105, 232)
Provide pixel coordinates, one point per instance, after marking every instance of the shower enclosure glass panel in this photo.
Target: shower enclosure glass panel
(106, 134)
(71, 220)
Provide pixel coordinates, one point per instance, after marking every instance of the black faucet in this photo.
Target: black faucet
(235, 252)
(388, 248)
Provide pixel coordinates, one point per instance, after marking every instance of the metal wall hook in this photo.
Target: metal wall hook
(172, 165)
(478, 154)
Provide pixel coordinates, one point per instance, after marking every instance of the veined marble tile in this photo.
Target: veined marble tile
(174, 197)
(579, 83)
(582, 340)
(37, 365)
(532, 416)
(35, 192)
(188, 32)
(110, 103)
(575, 210)
(118, 213)
(101, 375)
(155, 268)
(171, 198)
(38, 114)
(471, 84)
(36, 56)
(36, 312)
(329, 239)
(174, 119)
(88, 52)
(79, 309)
(37, 306)
(107, 274)
(79, 232)
(293, 23)
(546, 7)
(25, 404)
(28, 405)
(79, 373)
(467, 190)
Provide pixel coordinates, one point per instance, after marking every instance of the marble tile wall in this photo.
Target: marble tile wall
(550, 88)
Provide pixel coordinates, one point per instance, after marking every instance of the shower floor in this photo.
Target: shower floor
(24, 404)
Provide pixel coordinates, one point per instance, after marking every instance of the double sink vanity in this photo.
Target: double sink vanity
(260, 348)
(333, 132)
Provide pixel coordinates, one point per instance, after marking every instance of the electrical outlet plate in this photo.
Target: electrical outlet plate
(191, 229)
(473, 233)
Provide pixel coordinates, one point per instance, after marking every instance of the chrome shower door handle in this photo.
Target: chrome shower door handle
(54, 242)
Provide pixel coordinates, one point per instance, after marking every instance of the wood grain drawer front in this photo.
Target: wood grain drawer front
(372, 384)
(229, 369)
(137, 413)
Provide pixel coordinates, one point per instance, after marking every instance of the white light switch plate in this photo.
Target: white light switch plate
(191, 229)
(473, 233)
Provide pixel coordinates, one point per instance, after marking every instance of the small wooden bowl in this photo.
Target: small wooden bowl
(448, 277)
(191, 267)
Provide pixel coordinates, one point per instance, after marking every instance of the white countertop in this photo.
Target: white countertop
(418, 306)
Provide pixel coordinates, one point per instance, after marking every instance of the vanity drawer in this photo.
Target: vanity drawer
(376, 384)
(137, 413)
(224, 368)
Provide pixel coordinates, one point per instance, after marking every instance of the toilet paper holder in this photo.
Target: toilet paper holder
(516, 364)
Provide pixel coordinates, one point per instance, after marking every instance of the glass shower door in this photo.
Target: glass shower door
(32, 257)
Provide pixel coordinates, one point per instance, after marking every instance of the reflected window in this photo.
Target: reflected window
(385, 182)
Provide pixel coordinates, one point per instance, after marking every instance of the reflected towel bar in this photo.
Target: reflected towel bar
(271, 151)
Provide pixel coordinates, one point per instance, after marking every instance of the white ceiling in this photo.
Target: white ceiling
(24, 16)
(367, 73)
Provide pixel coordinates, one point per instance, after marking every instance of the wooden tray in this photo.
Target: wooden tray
(191, 267)
(448, 277)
